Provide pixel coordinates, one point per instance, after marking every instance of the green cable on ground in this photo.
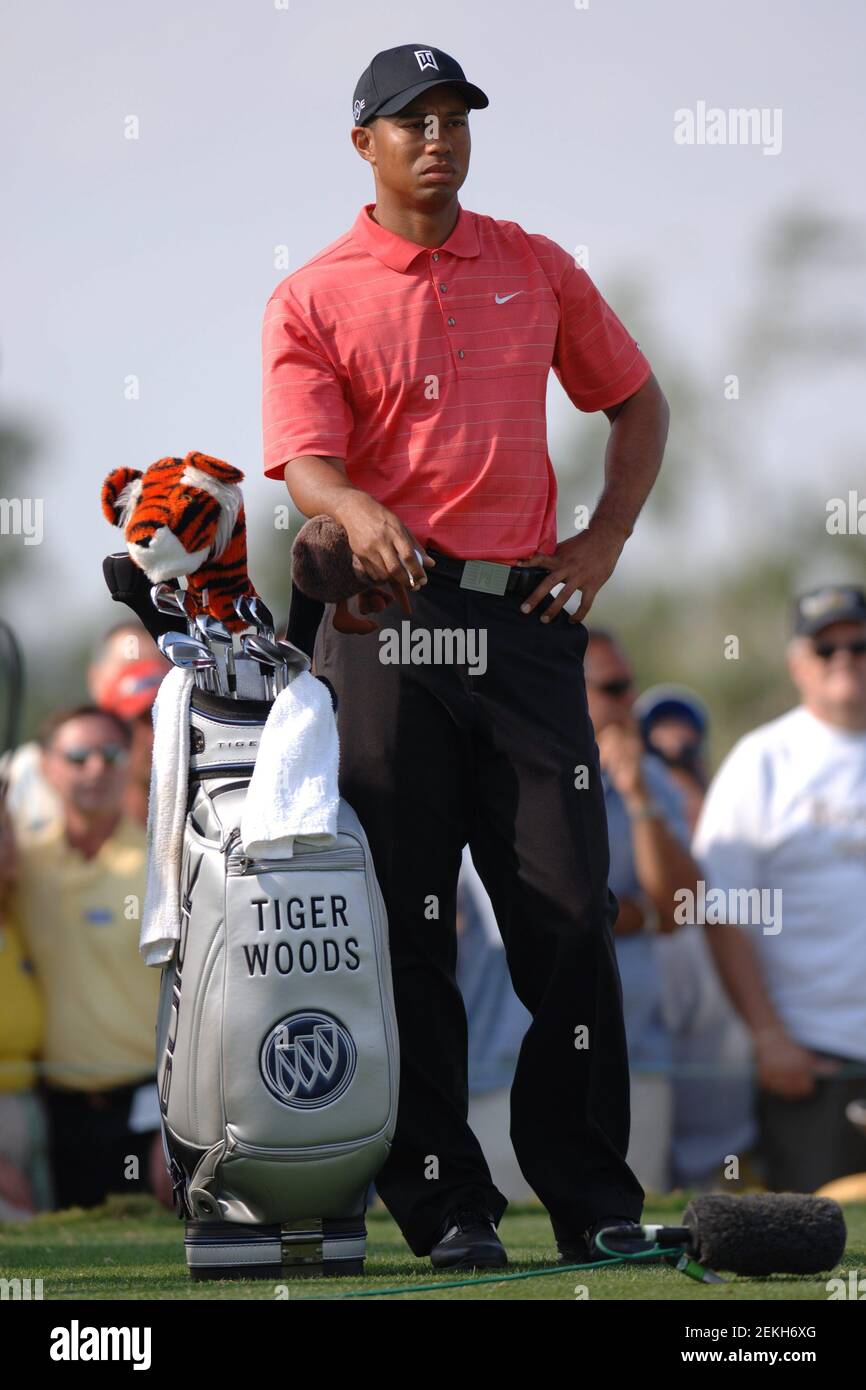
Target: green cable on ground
(489, 1278)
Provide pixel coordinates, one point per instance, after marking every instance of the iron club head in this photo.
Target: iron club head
(189, 653)
(255, 613)
(261, 651)
(218, 638)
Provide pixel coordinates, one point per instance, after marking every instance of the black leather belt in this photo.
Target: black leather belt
(486, 576)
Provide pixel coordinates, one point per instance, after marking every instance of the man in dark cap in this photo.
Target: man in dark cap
(673, 723)
(405, 375)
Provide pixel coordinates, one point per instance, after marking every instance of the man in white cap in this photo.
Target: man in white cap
(784, 823)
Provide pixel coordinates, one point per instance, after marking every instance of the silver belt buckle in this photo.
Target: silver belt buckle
(485, 576)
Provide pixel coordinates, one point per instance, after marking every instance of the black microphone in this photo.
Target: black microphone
(757, 1233)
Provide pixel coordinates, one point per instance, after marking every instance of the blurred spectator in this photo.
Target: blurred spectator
(786, 813)
(130, 693)
(673, 722)
(126, 666)
(649, 862)
(77, 902)
(24, 1186)
(712, 1058)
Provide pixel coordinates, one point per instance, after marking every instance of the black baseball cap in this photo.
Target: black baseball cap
(833, 603)
(397, 75)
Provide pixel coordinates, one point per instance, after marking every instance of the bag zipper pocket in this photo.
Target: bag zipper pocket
(341, 858)
(238, 1146)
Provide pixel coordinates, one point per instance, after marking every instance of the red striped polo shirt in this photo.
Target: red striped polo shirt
(426, 370)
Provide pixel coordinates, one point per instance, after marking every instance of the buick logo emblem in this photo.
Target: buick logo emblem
(308, 1060)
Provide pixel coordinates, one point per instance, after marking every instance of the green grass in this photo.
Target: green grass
(130, 1248)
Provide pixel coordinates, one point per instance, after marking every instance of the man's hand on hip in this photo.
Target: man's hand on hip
(584, 562)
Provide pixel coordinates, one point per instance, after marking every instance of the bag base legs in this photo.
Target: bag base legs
(312, 1248)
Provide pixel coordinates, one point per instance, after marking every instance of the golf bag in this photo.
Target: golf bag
(276, 1036)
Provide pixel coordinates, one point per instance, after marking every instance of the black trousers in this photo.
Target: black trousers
(433, 757)
(810, 1141)
(90, 1143)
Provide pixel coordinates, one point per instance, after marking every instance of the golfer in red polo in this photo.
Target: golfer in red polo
(405, 376)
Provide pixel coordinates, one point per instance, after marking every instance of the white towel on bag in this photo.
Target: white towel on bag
(293, 792)
(166, 814)
(294, 787)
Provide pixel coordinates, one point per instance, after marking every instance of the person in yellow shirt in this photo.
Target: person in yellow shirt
(24, 1185)
(77, 903)
(123, 677)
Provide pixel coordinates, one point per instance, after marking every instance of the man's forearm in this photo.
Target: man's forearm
(741, 975)
(635, 448)
(381, 545)
(317, 484)
(662, 865)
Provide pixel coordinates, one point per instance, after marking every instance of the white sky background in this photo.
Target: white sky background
(155, 256)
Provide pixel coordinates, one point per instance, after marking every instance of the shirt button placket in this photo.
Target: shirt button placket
(443, 289)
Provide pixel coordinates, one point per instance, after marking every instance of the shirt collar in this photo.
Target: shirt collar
(398, 253)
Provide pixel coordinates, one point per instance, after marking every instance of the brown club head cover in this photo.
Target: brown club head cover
(322, 562)
(322, 569)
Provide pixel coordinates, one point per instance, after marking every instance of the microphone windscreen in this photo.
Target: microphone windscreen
(766, 1232)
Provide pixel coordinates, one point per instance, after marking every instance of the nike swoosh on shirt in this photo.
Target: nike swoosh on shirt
(504, 298)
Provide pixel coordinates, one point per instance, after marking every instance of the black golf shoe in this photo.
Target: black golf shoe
(582, 1249)
(469, 1241)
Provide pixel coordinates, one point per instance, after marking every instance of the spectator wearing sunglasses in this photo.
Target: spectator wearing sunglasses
(787, 812)
(649, 862)
(76, 900)
(123, 676)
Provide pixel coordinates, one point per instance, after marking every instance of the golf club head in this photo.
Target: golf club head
(260, 650)
(190, 653)
(255, 613)
(163, 598)
(183, 644)
(241, 607)
(263, 618)
(296, 660)
(200, 622)
(267, 647)
(220, 640)
(264, 645)
(176, 602)
(213, 630)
